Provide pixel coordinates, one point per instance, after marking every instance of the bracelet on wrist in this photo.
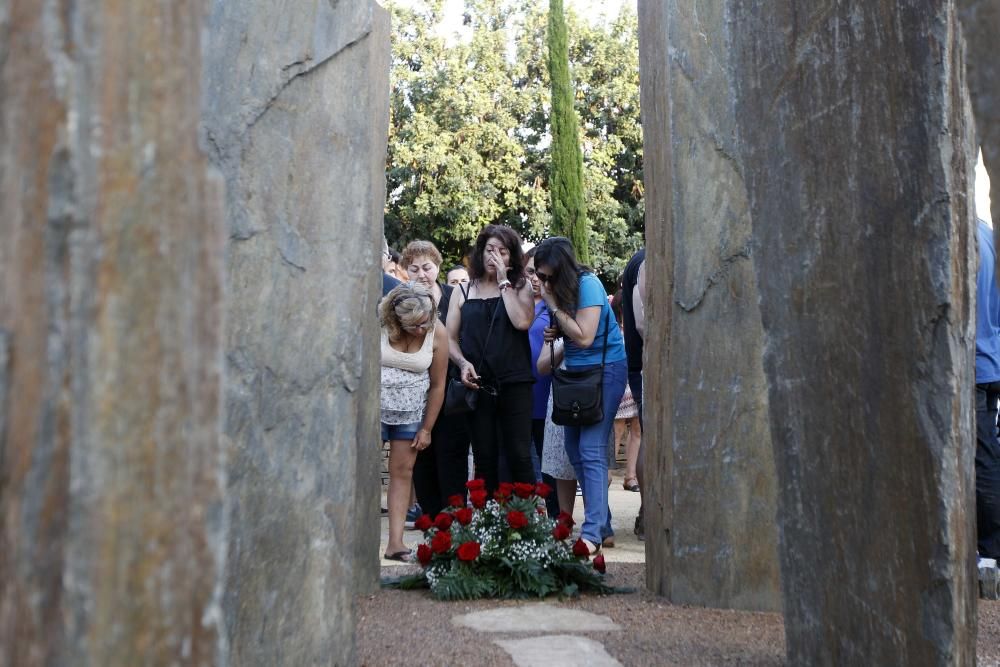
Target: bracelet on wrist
(503, 284)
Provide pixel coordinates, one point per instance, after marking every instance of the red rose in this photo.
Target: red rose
(580, 548)
(599, 563)
(464, 516)
(424, 554)
(423, 523)
(478, 498)
(468, 551)
(561, 531)
(522, 490)
(506, 488)
(441, 542)
(443, 521)
(456, 500)
(542, 490)
(475, 484)
(566, 518)
(517, 520)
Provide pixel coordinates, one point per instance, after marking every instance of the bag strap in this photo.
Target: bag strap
(604, 352)
(489, 332)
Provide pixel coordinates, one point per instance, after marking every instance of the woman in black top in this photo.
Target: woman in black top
(488, 329)
(440, 470)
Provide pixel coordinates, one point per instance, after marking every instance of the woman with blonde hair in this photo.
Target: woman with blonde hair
(414, 364)
(442, 469)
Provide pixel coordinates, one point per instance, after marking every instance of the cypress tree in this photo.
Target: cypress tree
(569, 212)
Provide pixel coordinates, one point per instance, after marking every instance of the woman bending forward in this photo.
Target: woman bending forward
(414, 364)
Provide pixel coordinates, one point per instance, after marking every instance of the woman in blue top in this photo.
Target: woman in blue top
(580, 314)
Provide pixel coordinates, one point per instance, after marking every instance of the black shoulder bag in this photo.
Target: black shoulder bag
(459, 399)
(578, 395)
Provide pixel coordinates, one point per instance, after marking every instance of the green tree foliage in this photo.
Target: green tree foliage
(469, 141)
(569, 212)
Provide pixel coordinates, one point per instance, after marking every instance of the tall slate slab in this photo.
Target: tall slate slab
(856, 136)
(296, 113)
(111, 479)
(723, 546)
(981, 25)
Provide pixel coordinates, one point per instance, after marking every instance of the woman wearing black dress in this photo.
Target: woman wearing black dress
(488, 331)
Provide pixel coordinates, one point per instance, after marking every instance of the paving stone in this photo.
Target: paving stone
(558, 651)
(535, 618)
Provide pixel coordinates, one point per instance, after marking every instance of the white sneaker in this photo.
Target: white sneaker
(987, 563)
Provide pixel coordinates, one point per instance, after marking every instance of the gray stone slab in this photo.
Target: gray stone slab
(558, 651)
(855, 134)
(296, 116)
(722, 549)
(112, 528)
(989, 583)
(535, 618)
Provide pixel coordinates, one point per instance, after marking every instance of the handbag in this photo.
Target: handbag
(578, 395)
(459, 399)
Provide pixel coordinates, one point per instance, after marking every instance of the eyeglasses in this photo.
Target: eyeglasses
(544, 277)
(418, 327)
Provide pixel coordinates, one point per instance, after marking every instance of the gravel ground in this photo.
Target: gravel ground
(412, 628)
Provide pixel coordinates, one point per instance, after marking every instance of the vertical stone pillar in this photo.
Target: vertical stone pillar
(722, 550)
(981, 25)
(296, 113)
(856, 137)
(112, 531)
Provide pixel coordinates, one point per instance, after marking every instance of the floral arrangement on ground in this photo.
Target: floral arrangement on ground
(504, 547)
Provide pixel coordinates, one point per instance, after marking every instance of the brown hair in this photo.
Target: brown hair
(510, 239)
(403, 306)
(416, 249)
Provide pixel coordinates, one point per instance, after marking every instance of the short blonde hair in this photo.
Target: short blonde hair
(416, 249)
(404, 306)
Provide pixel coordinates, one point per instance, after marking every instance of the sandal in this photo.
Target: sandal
(631, 484)
(592, 548)
(608, 542)
(401, 556)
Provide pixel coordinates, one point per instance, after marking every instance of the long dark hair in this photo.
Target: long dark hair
(512, 241)
(557, 254)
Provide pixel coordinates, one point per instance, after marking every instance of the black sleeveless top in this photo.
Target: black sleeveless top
(508, 355)
(633, 342)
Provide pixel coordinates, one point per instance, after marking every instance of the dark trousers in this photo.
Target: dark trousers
(987, 470)
(441, 470)
(503, 421)
(538, 440)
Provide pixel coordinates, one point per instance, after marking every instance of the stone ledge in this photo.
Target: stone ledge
(989, 582)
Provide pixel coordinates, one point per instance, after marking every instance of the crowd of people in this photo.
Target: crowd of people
(502, 325)
(499, 328)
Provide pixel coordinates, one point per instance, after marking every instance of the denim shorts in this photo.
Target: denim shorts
(400, 431)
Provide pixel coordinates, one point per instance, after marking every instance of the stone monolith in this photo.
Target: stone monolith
(296, 114)
(855, 136)
(112, 529)
(721, 548)
(981, 26)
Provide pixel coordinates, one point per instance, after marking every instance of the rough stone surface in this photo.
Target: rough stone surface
(723, 549)
(855, 130)
(535, 618)
(112, 532)
(558, 651)
(296, 113)
(989, 583)
(981, 25)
